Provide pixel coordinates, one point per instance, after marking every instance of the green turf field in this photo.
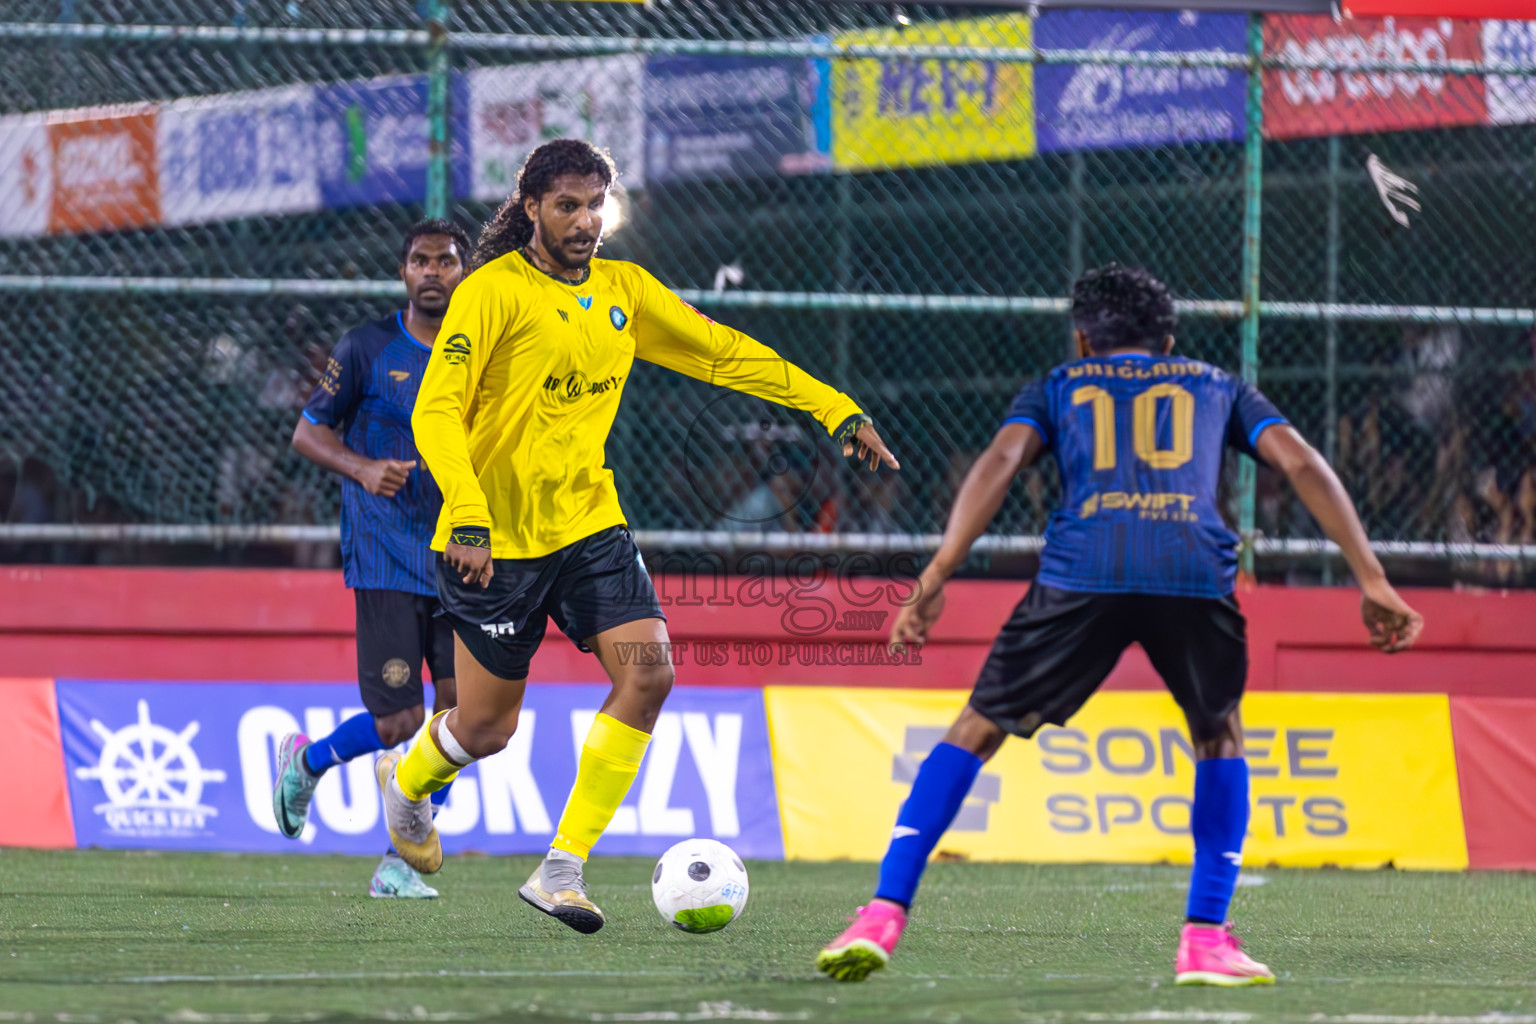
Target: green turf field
(105, 936)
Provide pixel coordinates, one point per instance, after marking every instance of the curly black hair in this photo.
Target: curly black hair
(509, 227)
(1122, 307)
(434, 226)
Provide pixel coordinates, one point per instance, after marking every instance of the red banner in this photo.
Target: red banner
(1518, 9)
(34, 812)
(1496, 763)
(1309, 102)
(105, 174)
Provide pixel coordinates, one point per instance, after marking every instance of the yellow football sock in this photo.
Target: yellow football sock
(610, 760)
(424, 769)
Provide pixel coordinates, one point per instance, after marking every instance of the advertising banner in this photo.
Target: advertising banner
(244, 154)
(1511, 98)
(512, 110)
(105, 173)
(1308, 102)
(736, 117)
(35, 812)
(1442, 8)
(372, 142)
(1357, 781)
(190, 766)
(1496, 762)
(26, 176)
(906, 112)
(1092, 106)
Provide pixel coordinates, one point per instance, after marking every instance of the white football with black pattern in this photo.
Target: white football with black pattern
(699, 885)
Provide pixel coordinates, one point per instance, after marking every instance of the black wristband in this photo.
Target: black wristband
(470, 536)
(849, 428)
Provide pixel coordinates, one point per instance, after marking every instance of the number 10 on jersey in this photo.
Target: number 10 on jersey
(1144, 425)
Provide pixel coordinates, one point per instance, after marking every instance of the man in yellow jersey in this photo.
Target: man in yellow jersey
(512, 417)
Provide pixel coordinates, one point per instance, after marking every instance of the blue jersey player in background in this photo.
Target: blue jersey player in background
(358, 425)
(1136, 553)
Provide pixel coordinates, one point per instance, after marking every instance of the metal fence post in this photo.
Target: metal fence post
(1331, 328)
(439, 189)
(1253, 183)
(1074, 239)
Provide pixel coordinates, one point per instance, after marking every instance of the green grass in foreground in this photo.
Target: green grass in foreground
(111, 936)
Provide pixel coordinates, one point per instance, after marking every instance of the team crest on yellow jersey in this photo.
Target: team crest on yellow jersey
(617, 318)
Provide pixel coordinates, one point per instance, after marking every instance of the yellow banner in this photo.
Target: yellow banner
(1353, 781)
(901, 112)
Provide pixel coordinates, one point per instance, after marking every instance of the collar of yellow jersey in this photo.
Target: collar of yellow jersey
(586, 273)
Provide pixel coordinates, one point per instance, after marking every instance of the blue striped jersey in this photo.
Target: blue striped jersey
(1139, 440)
(368, 389)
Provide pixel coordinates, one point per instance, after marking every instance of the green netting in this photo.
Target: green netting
(158, 406)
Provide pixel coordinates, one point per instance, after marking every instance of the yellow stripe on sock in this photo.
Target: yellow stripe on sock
(424, 769)
(610, 760)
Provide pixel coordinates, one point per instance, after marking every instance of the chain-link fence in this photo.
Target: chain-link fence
(198, 198)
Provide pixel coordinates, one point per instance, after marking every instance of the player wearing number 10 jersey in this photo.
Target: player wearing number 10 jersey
(1136, 553)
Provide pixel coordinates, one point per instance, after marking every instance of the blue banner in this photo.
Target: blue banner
(190, 766)
(735, 117)
(372, 140)
(1098, 106)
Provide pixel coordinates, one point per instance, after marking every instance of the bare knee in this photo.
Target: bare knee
(645, 690)
(394, 729)
(483, 738)
(975, 732)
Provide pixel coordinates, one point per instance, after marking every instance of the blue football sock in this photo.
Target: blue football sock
(355, 737)
(940, 788)
(1219, 821)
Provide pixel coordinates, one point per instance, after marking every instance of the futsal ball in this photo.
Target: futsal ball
(699, 885)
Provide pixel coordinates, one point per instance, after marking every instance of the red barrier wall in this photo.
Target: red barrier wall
(297, 625)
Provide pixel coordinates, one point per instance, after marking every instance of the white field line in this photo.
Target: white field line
(1216, 1016)
(706, 1011)
(729, 1011)
(224, 979)
(190, 1016)
(1237, 1017)
(1427, 1018)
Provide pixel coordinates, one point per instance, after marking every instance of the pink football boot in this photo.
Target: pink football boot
(867, 945)
(1211, 955)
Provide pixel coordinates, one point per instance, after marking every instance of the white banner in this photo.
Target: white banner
(26, 176)
(1511, 98)
(238, 155)
(514, 109)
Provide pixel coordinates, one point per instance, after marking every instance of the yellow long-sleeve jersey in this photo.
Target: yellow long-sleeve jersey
(525, 380)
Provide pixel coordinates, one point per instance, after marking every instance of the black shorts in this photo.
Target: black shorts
(1058, 646)
(397, 632)
(594, 584)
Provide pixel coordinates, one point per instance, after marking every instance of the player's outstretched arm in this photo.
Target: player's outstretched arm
(671, 333)
(1393, 625)
(981, 494)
